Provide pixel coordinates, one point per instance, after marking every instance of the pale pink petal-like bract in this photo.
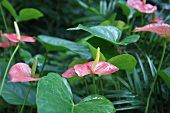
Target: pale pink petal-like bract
(160, 29)
(21, 72)
(7, 44)
(141, 7)
(13, 37)
(69, 73)
(105, 68)
(83, 69)
(157, 20)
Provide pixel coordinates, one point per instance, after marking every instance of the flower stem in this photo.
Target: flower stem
(101, 84)
(94, 84)
(10, 60)
(154, 82)
(87, 88)
(29, 89)
(3, 17)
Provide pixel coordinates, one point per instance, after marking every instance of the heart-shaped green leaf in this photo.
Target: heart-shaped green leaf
(94, 104)
(124, 61)
(109, 33)
(129, 39)
(28, 14)
(54, 96)
(165, 75)
(15, 93)
(54, 43)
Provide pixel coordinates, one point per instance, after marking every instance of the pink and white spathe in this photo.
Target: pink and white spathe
(21, 72)
(141, 7)
(102, 68)
(13, 38)
(161, 29)
(157, 20)
(7, 44)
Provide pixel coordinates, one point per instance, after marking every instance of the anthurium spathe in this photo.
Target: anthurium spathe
(102, 68)
(157, 20)
(161, 29)
(7, 44)
(21, 72)
(141, 7)
(13, 38)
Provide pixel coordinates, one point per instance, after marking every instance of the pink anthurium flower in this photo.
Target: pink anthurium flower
(13, 38)
(160, 29)
(102, 68)
(7, 44)
(157, 20)
(141, 7)
(21, 72)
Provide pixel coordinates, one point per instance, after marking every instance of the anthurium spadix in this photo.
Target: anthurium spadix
(141, 7)
(21, 72)
(161, 29)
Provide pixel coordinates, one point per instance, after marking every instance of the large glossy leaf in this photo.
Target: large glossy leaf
(124, 61)
(28, 14)
(109, 33)
(55, 96)
(54, 43)
(15, 93)
(94, 104)
(165, 75)
(10, 8)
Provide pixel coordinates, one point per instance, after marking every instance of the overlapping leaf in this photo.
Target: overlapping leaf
(55, 96)
(54, 43)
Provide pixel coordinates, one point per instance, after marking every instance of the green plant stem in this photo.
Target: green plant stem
(3, 17)
(101, 84)
(6, 71)
(154, 82)
(94, 84)
(29, 89)
(87, 88)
